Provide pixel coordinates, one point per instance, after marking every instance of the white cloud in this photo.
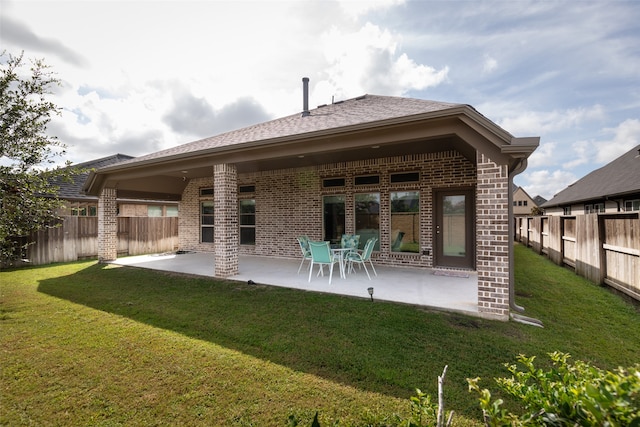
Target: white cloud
(538, 122)
(490, 64)
(546, 182)
(356, 8)
(366, 61)
(545, 155)
(625, 137)
(581, 153)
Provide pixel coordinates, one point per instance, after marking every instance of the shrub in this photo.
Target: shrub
(568, 394)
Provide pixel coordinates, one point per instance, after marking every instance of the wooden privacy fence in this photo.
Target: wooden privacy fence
(77, 238)
(604, 248)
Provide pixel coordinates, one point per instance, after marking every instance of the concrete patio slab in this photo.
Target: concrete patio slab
(422, 287)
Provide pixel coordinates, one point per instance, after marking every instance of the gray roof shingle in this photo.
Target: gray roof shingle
(73, 190)
(361, 110)
(618, 178)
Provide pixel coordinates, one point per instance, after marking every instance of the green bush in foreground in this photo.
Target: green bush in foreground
(568, 394)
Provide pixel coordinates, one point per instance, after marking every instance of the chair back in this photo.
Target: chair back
(350, 241)
(368, 248)
(303, 241)
(320, 251)
(398, 242)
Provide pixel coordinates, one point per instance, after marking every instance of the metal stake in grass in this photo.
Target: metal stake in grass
(371, 293)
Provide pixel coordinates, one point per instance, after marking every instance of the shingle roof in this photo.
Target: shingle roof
(618, 178)
(73, 189)
(539, 200)
(357, 111)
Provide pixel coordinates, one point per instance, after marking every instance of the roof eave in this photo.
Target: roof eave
(451, 112)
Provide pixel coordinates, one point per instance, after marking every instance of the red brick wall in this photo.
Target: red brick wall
(289, 203)
(492, 238)
(107, 225)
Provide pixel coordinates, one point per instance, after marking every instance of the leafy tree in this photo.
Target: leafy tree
(536, 211)
(28, 200)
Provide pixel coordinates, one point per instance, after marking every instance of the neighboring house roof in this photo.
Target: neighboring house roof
(345, 130)
(73, 190)
(539, 200)
(616, 179)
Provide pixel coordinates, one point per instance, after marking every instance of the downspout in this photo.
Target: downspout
(518, 168)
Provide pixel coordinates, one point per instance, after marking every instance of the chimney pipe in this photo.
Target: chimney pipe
(305, 97)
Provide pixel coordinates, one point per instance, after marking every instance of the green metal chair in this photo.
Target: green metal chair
(350, 241)
(303, 241)
(361, 258)
(321, 255)
(395, 246)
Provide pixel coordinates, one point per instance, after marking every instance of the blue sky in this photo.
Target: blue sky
(140, 76)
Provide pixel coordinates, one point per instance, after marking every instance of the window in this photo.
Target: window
(525, 203)
(632, 205)
(83, 209)
(154, 211)
(566, 210)
(367, 212)
(333, 182)
(594, 208)
(248, 222)
(172, 211)
(333, 217)
(367, 180)
(405, 177)
(206, 192)
(206, 221)
(405, 221)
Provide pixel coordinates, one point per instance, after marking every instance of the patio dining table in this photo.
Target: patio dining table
(340, 253)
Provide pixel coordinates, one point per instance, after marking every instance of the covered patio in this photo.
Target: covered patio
(434, 288)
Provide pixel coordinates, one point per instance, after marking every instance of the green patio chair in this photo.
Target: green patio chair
(395, 246)
(350, 241)
(321, 255)
(303, 241)
(361, 257)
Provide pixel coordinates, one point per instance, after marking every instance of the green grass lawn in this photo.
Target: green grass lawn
(90, 344)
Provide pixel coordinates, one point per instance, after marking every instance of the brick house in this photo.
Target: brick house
(431, 180)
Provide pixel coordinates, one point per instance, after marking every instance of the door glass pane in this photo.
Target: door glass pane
(453, 226)
(367, 209)
(405, 221)
(333, 218)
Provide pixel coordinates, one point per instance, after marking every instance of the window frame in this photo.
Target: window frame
(415, 237)
(251, 225)
(210, 224)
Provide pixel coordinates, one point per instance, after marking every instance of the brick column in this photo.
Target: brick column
(225, 234)
(492, 237)
(107, 225)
